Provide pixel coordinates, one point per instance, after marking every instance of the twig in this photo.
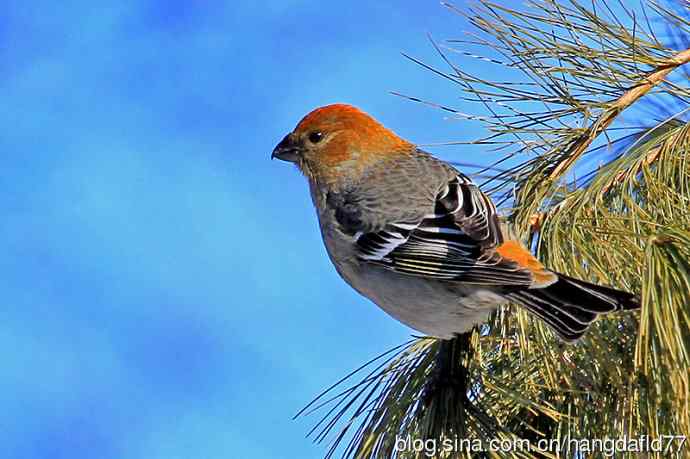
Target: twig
(625, 101)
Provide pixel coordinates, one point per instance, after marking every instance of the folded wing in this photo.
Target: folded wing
(457, 241)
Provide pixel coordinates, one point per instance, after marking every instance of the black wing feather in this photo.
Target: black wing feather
(455, 242)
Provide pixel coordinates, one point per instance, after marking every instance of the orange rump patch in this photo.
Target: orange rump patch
(514, 251)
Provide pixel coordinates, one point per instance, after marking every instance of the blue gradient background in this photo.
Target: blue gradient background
(165, 290)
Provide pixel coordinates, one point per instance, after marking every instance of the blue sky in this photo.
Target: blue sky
(166, 293)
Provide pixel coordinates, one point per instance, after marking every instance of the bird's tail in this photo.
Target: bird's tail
(570, 305)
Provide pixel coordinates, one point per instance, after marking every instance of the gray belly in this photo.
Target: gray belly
(435, 308)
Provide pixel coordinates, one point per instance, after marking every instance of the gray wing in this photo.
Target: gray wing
(446, 230)
(403, 190)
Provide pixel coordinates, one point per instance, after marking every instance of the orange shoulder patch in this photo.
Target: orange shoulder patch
(514, 251)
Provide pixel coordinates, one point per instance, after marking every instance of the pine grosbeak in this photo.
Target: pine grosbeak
(419, 239)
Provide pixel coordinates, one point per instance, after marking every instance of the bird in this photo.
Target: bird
(418, 238)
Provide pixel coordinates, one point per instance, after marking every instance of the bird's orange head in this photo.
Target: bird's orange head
(337, 141)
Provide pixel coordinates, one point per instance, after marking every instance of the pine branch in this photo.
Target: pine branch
(616, 108)
(577, 73)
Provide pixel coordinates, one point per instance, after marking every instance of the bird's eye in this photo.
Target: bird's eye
(315, 137)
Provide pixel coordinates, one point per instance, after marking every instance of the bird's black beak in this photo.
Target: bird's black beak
(286, 150)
